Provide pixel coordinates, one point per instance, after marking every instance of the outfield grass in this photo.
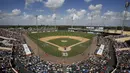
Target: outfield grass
(64, 33)
(50, 49)
(64, 44)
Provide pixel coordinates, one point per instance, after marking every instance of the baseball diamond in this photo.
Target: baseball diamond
(53, 41)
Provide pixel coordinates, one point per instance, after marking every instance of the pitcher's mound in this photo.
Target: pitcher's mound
(64, 41)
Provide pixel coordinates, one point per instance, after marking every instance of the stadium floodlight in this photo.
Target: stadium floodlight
(72, 18)
(36, 22)
(127, 4)
(103, 22)
(125, 15)
(91, 19)
(37, 32)
(55, 22)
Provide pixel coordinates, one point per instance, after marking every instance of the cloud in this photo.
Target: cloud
(81, 13)
(113, 15)
(27, 16)
(128, 13)
(54, 16)
(80, 17)
(74, 14)
(54, 4)
(87, 1)
(71, 10)
(46, 19)
(40, 10)
(110, 13)
(16, 11)
(28, 2)
(95, 11)
(96, 7)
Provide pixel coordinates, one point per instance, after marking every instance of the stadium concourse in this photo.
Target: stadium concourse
(17, 57)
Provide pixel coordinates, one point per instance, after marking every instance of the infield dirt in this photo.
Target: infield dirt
(60, 48)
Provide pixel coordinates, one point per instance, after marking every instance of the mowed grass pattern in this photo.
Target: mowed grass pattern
(64, 44)
(50, 49)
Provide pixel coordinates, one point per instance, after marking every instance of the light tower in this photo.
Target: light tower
(55, 22)
(125, 15)
(36, 16)
(103, 21)
(72, 21)
(91, 19)
(36, 22)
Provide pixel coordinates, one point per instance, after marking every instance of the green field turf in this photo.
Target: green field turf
(78, 49)
(64, 44)
(50, 49)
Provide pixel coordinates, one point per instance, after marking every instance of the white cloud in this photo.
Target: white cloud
(40, 17)
(95, 11)
(96, 7)
(40, 10)
(71, 10)
(54, 4)
(27, 16)
(113, 15)
(87, 1)
(16, 11)
(110, 13)
(54, 16)
(80, 17)
(28, 2)
(74, 14)
(128, 13)
(81, 13)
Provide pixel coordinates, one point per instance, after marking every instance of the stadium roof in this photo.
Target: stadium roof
(122, 49)
(118, 32)
(7, 38)
(123, 39)
(5, 48)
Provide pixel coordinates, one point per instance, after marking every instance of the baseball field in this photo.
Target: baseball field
(55, 43)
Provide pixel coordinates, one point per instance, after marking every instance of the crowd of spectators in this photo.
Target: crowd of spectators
(123, 56)
(5, 61)
(93, 64)
(5, 54)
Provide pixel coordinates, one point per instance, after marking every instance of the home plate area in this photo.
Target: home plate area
(64, 54)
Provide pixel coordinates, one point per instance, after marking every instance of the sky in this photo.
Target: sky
(64, 12)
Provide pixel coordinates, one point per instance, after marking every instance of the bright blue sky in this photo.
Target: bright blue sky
(79, 10)
(113, 5)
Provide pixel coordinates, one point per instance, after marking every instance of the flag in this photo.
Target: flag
(127, 4)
